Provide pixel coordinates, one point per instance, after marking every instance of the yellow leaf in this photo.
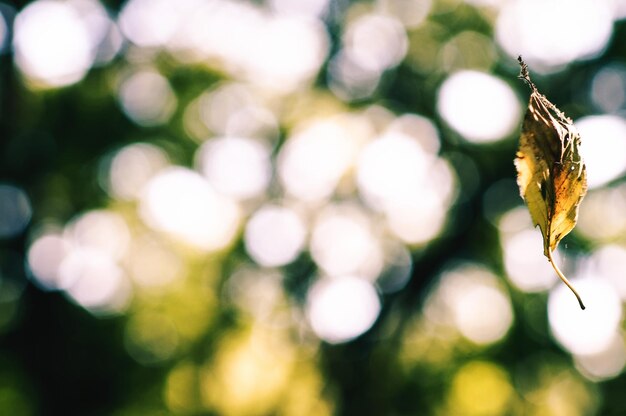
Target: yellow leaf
(550, 171)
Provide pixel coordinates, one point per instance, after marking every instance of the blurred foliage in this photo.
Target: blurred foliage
(197, 344)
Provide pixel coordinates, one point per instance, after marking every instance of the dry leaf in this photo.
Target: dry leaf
(550, 171)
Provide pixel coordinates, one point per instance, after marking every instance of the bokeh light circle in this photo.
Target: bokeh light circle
(389, 167)
(103, 230)
(147, 98)
(470, 298)
(181, 202)
(589, 331)
(549, 33)
(15, 210)
(603, 147)
(52, 43)
(376, 42)
(148, 23)
(474, 314)
(94, 280)
(342, 242)
(342, 309)
(45, 255)
(274, 236)
(313, 160)
(481, 107)
(235, 166)
(525, 264)
(608, 88)
(132, 167)
(605, 364)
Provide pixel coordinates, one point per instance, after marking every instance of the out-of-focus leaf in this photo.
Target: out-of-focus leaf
(550, 171)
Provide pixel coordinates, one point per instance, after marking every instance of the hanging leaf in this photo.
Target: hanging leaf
(550, 171)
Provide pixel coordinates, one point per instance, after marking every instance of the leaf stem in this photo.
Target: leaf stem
(524, 75)
(564, 279)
